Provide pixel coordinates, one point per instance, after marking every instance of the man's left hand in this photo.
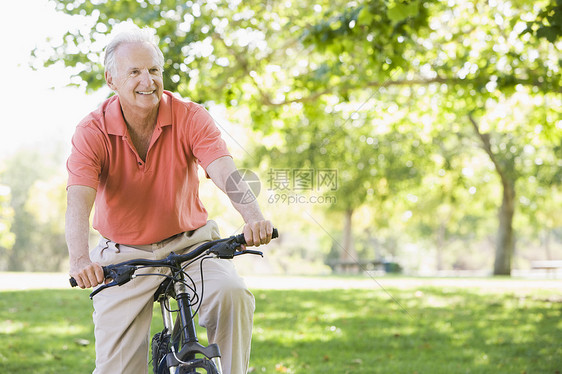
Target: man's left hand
(258, 232)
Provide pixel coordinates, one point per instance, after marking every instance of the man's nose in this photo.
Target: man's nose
(146, 78)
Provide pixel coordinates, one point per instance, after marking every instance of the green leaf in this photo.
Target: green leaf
(364, 17)
(398, 11)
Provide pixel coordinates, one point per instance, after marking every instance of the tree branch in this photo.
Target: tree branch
(485, 139)
(400, 82)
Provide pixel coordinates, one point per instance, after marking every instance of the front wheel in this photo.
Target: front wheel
(160, 342)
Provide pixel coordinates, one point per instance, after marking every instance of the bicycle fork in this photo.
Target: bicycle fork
(166, 313)
(186, 329)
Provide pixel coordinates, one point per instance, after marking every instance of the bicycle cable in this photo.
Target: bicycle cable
(178, 359)
(193, 288)
(202, 285)
(199, 296)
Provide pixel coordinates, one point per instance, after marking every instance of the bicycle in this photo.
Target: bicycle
(176, 349)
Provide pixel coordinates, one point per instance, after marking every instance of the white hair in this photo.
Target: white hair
(132, 34)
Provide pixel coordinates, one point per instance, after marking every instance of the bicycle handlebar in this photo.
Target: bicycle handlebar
(122, 272)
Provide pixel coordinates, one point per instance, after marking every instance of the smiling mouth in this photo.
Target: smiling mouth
(145, 92)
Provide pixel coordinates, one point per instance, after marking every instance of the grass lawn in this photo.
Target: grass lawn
(425, 329)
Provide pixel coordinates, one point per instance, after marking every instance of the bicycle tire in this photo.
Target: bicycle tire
(160, 343)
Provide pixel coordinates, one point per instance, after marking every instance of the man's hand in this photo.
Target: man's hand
(258, 233)
(87, 273)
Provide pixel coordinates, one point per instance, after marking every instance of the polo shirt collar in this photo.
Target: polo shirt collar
(115, 123)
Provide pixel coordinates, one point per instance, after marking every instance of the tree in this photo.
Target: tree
(6, 218)
(474, 72)
(46, 203)
(477, 67)
(37, 241)
(525, 69)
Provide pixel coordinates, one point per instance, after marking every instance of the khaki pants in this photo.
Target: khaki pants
(122, 314)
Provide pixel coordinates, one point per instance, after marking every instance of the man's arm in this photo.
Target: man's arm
(80, 200)
(257, 229)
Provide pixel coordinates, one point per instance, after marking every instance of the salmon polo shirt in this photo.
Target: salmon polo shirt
(139, 202)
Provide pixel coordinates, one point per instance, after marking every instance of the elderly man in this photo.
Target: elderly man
(136, 157)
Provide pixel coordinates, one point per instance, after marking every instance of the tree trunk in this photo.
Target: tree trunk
(348, 254)
(546, 243)
(505, 244)
(506, 238)
(440, 245)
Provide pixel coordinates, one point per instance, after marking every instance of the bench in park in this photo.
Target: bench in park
(359, 266)
(550, 266)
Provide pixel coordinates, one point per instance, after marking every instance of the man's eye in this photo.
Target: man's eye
(134, 72)
(155, 70)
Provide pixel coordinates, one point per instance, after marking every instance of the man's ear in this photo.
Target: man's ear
(109, 80)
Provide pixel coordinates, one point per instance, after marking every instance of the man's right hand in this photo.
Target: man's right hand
(88, 274)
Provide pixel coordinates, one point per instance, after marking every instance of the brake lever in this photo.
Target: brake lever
(248, 251)
(101, 288)
(119, 276)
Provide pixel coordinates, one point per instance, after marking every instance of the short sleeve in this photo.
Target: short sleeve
(85, 162)
(205, 138)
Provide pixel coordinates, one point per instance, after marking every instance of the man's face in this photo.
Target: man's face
(137, 78)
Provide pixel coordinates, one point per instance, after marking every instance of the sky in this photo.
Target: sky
(37, 108)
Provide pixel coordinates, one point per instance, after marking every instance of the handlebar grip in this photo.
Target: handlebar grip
(241, 240)
(73, 282)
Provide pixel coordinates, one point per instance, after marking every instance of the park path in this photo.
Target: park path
(29, 281)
